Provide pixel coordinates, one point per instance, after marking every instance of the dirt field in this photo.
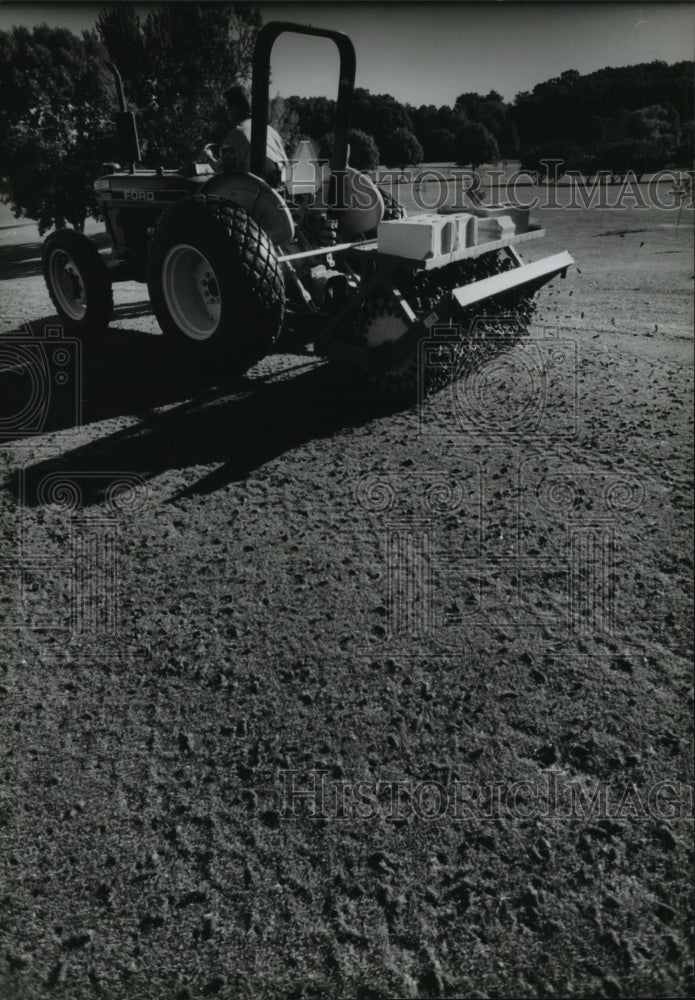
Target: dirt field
(479, 608)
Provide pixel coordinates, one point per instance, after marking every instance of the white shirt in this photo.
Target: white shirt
(236, 151)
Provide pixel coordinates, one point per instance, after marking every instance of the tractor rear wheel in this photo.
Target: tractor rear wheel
(77, 281)
(216, 285)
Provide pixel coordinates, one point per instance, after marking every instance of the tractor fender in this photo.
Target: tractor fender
(258, 199)
(364, 203)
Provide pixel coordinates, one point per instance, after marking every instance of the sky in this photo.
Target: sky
(429, 52)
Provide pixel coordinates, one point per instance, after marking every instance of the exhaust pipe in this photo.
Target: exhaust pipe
(126, 128)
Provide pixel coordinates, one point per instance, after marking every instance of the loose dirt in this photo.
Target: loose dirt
(212, 602)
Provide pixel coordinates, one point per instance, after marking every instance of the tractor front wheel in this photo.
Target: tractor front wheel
(77, 281)
(216, 285)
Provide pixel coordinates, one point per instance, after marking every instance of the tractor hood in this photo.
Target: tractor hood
(148, 188)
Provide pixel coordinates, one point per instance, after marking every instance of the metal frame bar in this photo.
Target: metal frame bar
(317, 251)
(468, 252)
(540, 270)
(261, 82)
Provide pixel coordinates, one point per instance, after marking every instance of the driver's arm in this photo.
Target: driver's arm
(210, 153)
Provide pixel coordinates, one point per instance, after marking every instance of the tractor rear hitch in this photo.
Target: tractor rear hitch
(385, 357)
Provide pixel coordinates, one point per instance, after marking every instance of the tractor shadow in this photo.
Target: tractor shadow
(50, 381)
(282, 404)
(238, 428)
(20, 260)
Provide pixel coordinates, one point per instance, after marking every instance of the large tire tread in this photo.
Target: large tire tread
(253, 292)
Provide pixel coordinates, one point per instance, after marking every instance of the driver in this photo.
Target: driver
(236, 148)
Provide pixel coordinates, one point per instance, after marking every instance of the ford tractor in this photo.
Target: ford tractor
(330, 258)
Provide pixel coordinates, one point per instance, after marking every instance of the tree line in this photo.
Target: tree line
(637, 118)
(57, 99)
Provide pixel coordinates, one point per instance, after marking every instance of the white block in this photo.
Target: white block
(467, 230)
(498, 228)
(519, 214)
(428, 235)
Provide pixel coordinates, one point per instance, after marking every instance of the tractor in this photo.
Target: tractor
(232, 264)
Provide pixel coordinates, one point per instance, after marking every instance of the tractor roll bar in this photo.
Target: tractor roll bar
(261, 82)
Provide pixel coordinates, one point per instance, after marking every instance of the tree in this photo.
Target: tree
(285, 121)
(569, 153)
(120, 30)
(401, 149)
(491, 111)
(379, 115)
(57, 97)
(315, 116)
(657, 123)
(586, 109)
(376, 115)
(475, 145)
(436, 128)
(439, 145)
(508, 139)
(55, 123)
(684, 154)
(364, 153)
(176, 65)
(637, 156)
